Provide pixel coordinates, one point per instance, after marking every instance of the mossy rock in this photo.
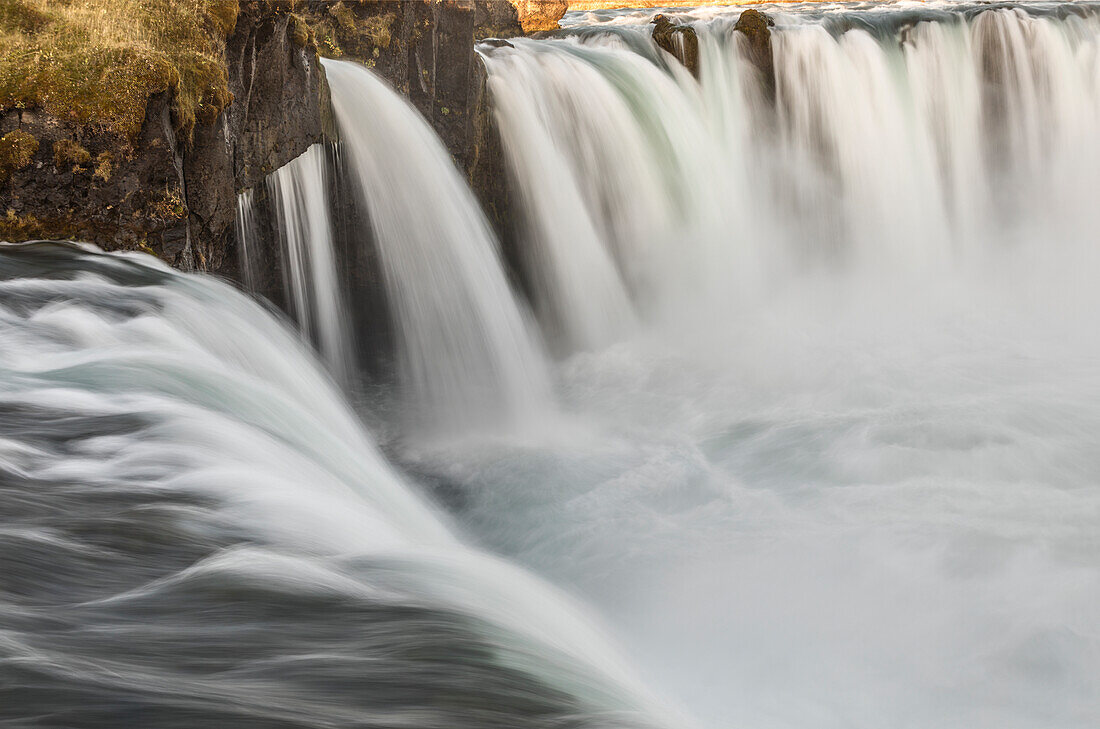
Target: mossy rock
(341, 30)
(94, 63)
(301, 35)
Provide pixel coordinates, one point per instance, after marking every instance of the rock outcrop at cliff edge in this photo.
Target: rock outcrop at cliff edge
(756, 28)
(679, 40)
(538, 15)
(150, 157)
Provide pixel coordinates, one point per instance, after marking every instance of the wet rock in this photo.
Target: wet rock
(756, 28)
(679, 40)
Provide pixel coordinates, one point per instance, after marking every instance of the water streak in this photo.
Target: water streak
(302, 194)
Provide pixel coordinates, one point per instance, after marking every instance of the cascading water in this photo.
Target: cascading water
(612, 152)
(845, 475)
(580, 292)
(829, 383)
(467, 355)
(198, 532)
(247, 238)
(301, 192)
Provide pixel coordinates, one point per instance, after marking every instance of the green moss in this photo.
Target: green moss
(223, 16)
(69, 153)
(97, 62)
(377, 30)
(17, 151)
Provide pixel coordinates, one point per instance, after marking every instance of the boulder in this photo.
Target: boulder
(679, 40)
(756, 28)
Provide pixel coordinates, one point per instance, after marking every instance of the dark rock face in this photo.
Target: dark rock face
(175, 198)
(281, 107)
(496, 19)
(679, 40)
(423, 48)
(756, 28)
(129, 194)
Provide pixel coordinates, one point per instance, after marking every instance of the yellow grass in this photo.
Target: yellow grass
(97, 61)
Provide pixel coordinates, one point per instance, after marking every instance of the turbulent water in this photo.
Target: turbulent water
(817, 445)
(198, 532)
(846, 475)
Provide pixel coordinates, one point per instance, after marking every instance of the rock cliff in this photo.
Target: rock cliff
(167, 186)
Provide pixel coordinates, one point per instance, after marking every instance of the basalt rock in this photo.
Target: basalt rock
(281, 107)
(756, 29)
(496, 19)
(167, 193)
(125, 194)
(679, 40)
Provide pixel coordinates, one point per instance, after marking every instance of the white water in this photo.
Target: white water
(134, 380)
(467, 355)
(301, 192)
(247, 238)
(580, 293)
(846, 474)
(664, 172)
(840, 470)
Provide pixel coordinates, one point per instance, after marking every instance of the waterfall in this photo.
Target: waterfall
(467, 354)
(221, 534)
(817, 447)
(623, 172)
(247, 238)
(302, 193)
(840, 470)
(901, 144)
(580, 293)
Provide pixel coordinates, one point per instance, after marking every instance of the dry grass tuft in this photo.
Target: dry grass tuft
(69, 153)
(98, 61)
(17, 151)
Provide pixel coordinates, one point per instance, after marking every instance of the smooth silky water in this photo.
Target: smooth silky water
(817, 444)
(846, 473)
(198, 532)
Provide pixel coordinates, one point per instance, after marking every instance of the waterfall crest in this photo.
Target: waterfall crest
(467, 353)
(900, 143)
